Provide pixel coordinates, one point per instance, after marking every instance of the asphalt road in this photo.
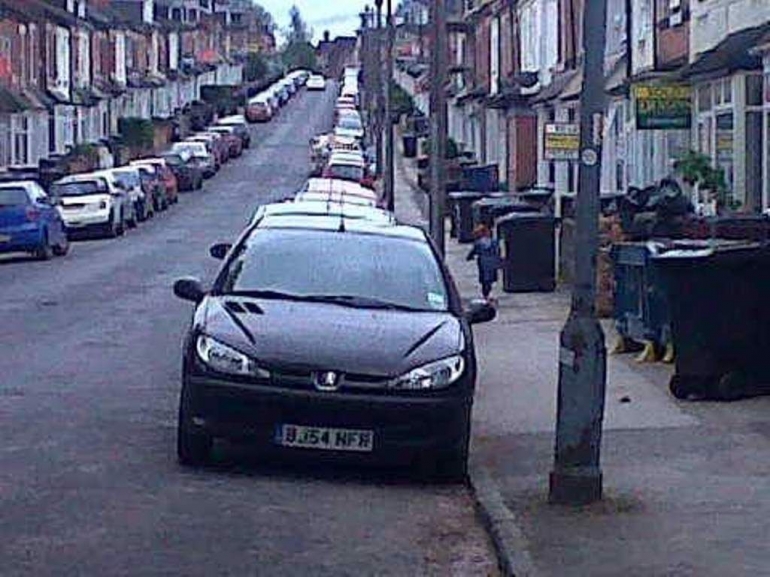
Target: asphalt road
(89, 378)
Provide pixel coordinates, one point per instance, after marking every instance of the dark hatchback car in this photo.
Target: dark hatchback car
(187, 170)
(344, 341)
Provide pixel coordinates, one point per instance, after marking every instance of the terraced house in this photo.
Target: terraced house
(71, 69)
(681, 76)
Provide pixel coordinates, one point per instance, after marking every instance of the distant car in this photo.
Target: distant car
(322, 208)
(349, 126)
(344, 338)
(188, 172)
(89, 203)
(240, 125)
(316, 82)
(131, 179)
(216, 143)
(30, 221)
(258, 109)
(154, 187)
(200, 153)
(234, 141)
(346, 167)
(170, 184)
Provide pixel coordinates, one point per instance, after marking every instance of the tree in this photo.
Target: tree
(264, 19)
(256, 67)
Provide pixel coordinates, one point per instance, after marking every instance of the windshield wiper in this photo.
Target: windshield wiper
(267, 294)
(358, 301)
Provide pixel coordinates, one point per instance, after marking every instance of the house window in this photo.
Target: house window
(704, 98)
(20, 132)
(5, 142)
(754, 88)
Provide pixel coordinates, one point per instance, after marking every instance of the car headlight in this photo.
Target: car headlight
(225, 359)
(435, 375)
(102, 205)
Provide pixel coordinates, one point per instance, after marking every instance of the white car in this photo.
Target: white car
(91, 202)
(349, 126)
(131, 180)
(200, 152)
(316, 82)
(323, 208)
(334, 186)
(335, 198)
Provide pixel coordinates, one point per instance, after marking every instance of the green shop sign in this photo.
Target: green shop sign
(663, 107)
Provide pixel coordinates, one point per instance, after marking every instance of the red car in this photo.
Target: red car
(165, 175)
(233, 140)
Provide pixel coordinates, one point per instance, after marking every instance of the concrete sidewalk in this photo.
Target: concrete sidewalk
(687, 484)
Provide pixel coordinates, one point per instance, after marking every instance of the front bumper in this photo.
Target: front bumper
(405, 427)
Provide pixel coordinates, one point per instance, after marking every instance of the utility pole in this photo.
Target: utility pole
(438, 124)
(576, 477)
(380, 94)
(389, 151)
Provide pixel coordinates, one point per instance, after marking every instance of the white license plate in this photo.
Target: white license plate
(359, 440)
(5, 238)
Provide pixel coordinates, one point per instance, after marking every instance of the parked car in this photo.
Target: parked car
(381, 366)
(215, 143)
(88, 203)
(186, 169)
(347, 167)
(349, 126)
(30, 221)
(200, 153)
(234, 142)
(131, 180)
(258, 109)
(240, 125)
(316, 82)
(167, 176)
(154, 187)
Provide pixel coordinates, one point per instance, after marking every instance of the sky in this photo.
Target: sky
(340, 17)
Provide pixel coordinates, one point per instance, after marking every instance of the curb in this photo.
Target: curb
(500, 523)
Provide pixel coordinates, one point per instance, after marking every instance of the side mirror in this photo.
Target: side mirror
(220, 250)
(480, 311)
(189, 289)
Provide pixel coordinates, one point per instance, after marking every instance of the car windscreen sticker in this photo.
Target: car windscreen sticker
(436, 300)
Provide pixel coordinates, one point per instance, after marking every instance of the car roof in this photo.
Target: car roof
(26, 184)
(346, 159)
(336, 186)
(234, 119)
(154, 161)
(83, 177)
(339, 198)
(319, 207)
(331, 223)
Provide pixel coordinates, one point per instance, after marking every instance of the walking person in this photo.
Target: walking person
(486, 251)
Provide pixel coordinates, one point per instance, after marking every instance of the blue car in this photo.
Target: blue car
(30, 221)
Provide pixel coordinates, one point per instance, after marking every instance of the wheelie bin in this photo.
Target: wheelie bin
(410, 145)
(490, 208)
(720, 316)
(641, 303)
(529, 252)
(461, 203)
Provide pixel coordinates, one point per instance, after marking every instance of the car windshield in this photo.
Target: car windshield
(79, 188)
(127, 179)
(346, 172)
(173, 159)
(348, 268)
(13, 197)
(349, 123)
(191, 149)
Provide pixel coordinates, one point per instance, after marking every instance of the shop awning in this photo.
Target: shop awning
(734, 53)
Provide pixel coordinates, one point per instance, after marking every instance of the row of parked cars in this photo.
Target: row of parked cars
(341, 154)
(267, 104)
(107, 202)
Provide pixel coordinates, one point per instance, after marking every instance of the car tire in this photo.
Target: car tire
(113, 229)
(121, 226)
(45, 250)
(133, 222)
(63, 248)
(199, 183)
(193, 448)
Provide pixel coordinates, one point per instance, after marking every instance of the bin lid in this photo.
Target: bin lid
(515, 218)
(696, 249)
(465, 194)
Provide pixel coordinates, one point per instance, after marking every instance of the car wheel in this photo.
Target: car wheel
(45, 251)
(121, 225)
(132, 223)
(113, 228)
(63, 248)
(199, 183)
(193, 448)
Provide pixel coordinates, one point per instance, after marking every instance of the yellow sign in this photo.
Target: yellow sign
(562, 141)
(663, 107)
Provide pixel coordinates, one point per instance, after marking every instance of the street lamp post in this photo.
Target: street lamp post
(576, 477)
(389, 151)
(438, 123)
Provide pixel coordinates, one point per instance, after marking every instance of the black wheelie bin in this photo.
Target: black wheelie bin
(529, 252)
(720, 316)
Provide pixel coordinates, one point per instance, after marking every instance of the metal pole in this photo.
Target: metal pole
(438, 124)
(576, 477)
(379, 89)
(389, 151)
